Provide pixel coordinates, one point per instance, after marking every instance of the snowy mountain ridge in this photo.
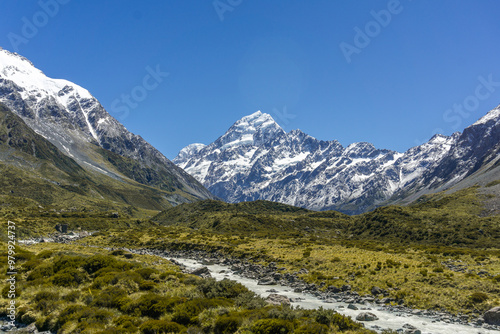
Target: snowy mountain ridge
(297, 169)
(77, 124)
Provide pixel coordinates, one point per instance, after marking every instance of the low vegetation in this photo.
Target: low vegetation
(68, 289)
(441, 253)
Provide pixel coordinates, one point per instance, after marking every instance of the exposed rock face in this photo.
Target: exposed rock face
(256, 159)
(492, 316)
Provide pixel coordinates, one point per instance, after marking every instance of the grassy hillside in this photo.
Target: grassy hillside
(441, 219)
(32, 167)
(259, 217)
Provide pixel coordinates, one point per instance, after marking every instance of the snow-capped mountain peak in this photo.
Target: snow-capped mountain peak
(34, 83)
(256, 159)
(74, 121)
(250, 130)
(492, 115)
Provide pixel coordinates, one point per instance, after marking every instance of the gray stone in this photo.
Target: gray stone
(352, 307)
(202, 272)
(492, 316)
(266, 281)
(276, 299)
(366, 316)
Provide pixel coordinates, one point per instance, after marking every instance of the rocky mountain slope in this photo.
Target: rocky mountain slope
(76, 123)
(256, 159)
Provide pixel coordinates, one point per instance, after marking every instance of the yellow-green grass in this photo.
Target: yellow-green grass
(116, 292)
(414, 275)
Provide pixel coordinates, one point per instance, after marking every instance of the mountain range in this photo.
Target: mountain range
(66, 118)
(257, 160)
(57, 141)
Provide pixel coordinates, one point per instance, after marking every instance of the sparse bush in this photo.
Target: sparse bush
(146, 272)
(224, 288)
(111, 298)
(42, 271)
(313, 328)
(478, 297)
(151, 305)
(68, 277)
(227, 324)
(160, 327)
(194, 307)
(272, 326)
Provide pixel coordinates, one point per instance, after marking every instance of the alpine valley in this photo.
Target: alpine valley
(257, 159)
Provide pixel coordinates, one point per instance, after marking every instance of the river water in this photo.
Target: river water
(386, 319)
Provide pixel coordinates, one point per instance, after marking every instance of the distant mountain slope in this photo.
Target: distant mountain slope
(76, 123)
(439, 219)
(32, 167)
(256, 159)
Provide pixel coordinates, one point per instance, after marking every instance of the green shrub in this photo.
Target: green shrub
(146, 272)
(249, 300)
(313, 328)
(272, 326)
(46, 295)
(343, 322)
(67, 261)
(111, 298)
(478, 297)
(160, 327)
(224, 288)
(45, 254)
(181, 317)
(42, 271)
(83, 314)
(72, 296)
(96, 262)
(147, 285)
(68, 277)
(46, 301)
(194, 307)
(151, 305)
(227, 324)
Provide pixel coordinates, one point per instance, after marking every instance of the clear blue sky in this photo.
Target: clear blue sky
(271, 56)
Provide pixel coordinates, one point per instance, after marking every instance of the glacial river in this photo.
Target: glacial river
(386, 319)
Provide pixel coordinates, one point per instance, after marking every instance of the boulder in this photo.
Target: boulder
(28, 329)
(492, 316)
(276, 299)
(410, 329)
(266, 281)
(377, 291)
(352, 307)
(202, 272)
(366, 316)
